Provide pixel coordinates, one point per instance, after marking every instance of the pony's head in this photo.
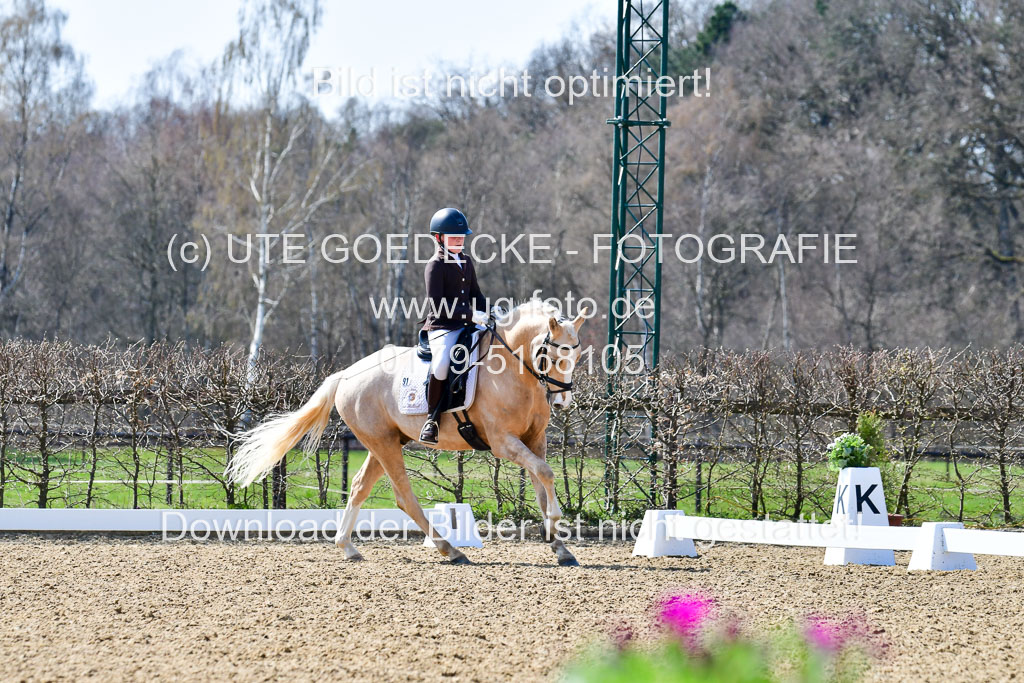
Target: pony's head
(553, 343)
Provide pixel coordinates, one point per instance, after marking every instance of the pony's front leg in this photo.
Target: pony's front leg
(543, 477)
(565, 558)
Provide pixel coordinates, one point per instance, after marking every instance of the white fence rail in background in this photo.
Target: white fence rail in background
(794, 533)
(454, 521)
(983, 542)
(935, 545)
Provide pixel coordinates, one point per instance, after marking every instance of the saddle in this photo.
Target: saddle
(410, 385)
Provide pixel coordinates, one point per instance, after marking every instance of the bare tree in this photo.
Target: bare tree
(291, 165)
(155, 184)
(43, 95)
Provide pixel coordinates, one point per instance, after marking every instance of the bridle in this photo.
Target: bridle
(543, 377)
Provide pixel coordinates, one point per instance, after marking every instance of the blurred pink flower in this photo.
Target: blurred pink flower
(685, 614)
(620, 633)
(732, 631)
(830, 635)
(825, 634)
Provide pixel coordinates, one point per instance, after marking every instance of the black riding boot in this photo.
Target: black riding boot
(435, 389)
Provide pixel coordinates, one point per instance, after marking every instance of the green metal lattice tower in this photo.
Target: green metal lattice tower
(638, 182)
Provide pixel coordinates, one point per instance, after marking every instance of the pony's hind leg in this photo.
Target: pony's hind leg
(393, 462)
(362, 484)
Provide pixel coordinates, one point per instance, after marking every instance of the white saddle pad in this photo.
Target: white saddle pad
(410, 383)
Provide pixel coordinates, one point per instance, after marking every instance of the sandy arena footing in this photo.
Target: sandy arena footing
(139, 608)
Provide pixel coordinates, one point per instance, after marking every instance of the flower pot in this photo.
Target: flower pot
(895, 520)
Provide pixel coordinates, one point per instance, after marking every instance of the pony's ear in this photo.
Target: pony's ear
(581, 317)
(553, 325)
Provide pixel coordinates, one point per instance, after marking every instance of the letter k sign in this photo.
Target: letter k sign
(865, 497)
(840, 506)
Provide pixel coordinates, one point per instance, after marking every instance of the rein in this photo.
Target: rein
(543, 378)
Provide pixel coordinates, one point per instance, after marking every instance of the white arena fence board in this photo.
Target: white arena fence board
(56, 519)
(985, 542)
(793, 533)
(935, 545)
(453, 521)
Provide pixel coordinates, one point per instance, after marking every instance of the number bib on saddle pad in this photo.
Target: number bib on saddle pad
(410, 383)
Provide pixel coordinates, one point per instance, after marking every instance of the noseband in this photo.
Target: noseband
(546, 379)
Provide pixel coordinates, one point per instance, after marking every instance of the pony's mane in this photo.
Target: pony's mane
(533, 307)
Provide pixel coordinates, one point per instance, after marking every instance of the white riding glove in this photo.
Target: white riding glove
(499, 313)
(480, 318)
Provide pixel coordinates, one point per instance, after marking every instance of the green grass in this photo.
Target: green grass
(934, 494)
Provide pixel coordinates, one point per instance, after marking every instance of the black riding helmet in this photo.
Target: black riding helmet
(449, 222)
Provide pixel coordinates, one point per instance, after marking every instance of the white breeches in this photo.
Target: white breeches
(441, 344)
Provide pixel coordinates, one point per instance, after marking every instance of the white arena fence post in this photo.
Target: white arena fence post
(455, 523)
(932, 552)
(654, 539)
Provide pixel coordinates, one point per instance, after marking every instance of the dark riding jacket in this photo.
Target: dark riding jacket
(452, 292)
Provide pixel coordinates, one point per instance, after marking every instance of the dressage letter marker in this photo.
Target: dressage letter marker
(859, 500)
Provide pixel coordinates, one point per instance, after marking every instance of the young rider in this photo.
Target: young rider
(455, 302)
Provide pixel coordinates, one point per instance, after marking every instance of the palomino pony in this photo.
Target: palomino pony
(511, 412)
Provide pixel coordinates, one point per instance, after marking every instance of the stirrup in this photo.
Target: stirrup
(428, 435)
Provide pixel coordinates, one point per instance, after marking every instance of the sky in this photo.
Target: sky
(121, 39)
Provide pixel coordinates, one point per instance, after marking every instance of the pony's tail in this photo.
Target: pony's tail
(263, 446)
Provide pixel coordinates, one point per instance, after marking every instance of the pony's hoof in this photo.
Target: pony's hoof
(569, 561)
(351, 553)
(461, 559)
